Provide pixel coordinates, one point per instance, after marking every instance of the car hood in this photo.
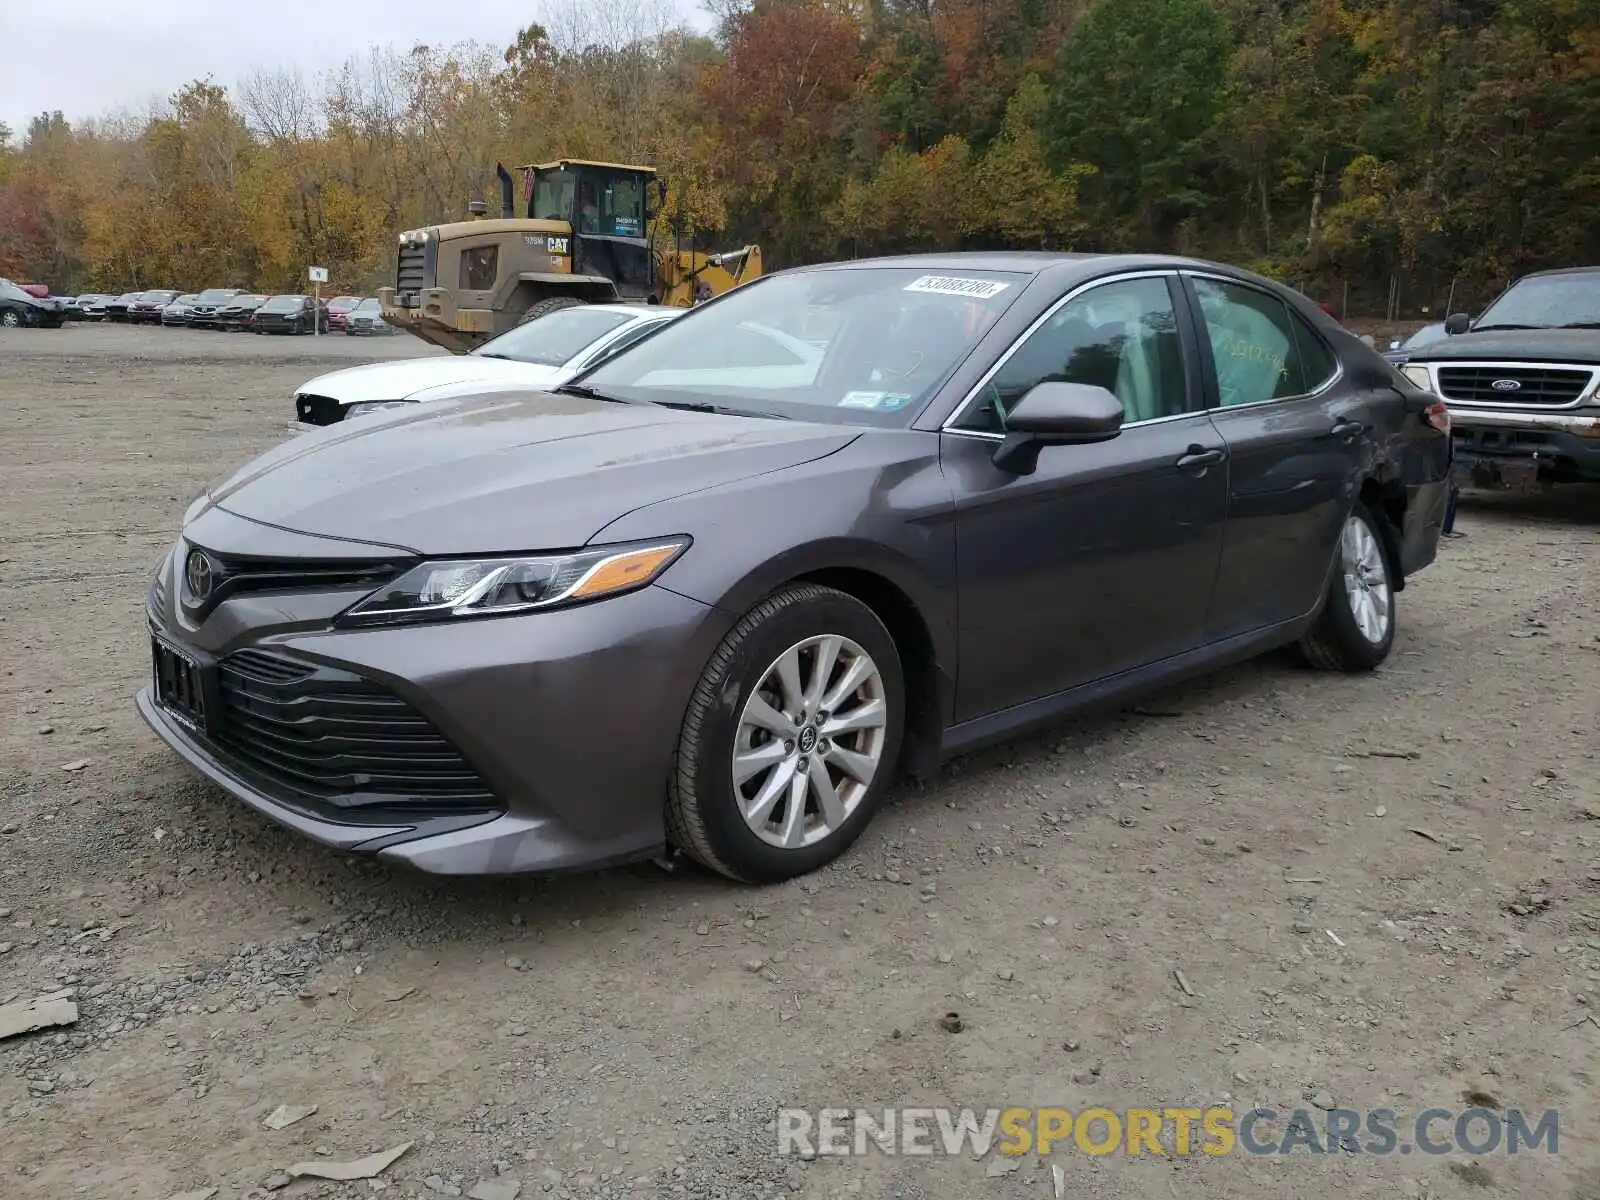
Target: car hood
(1531, 345)
(398, 380)
(507, 473)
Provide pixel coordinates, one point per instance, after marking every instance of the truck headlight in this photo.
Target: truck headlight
(1418, 376)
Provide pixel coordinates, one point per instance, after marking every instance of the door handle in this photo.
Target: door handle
(1348, 429)
(1199, 456)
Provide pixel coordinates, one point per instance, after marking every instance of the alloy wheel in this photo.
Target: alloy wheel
(10, 319)
(1366, 580)
(809, 741)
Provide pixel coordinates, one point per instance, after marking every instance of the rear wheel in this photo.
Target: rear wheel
(1356, 629)
(10, 318)
(547, 306)
(790, 739)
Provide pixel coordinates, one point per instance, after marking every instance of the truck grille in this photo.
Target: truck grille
(1536, 387)
(331, 737)
(411, 270)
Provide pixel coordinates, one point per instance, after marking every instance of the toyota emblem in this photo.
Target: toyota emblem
(1506, 385)
(197, 574)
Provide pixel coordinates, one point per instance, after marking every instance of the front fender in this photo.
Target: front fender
(880, 506)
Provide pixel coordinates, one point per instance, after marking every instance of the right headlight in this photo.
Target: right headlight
(482, 587)
(1419, 376)
(372, 406)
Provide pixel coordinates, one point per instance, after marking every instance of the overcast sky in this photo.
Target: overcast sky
(90, 57)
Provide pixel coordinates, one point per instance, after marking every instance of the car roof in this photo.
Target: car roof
(1029, 262)
(1065, 267)
(1557, 271)
(649, 310)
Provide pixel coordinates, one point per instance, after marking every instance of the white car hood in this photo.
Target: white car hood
(402, 379)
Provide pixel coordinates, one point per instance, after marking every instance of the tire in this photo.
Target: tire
(10, 318)
(548, 305)
(705, 812)
(1355, 630)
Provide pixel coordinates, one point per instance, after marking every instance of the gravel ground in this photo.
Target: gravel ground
(1381, 891)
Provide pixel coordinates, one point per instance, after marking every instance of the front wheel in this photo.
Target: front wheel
(1356, 628)
(10, 318)
(549, 305)
(790, 738)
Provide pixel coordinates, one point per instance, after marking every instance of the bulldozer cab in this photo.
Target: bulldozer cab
(608, 207)
(579, 233)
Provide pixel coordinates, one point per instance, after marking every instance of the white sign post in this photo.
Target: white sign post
(319, 276)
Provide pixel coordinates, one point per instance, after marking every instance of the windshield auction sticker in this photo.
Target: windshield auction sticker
(951, 285)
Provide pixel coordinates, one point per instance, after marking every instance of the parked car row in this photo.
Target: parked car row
(22, 305)
(232, 309)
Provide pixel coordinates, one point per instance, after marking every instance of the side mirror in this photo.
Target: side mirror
(1056, 414)
(1457, 323)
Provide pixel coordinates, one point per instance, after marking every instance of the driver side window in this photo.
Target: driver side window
(1122, 336)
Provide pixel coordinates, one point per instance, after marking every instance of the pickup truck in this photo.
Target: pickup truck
(1522, 381)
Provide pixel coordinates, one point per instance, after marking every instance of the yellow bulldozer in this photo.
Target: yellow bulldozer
(583, 237)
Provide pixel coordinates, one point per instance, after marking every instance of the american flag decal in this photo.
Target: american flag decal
(527, 183)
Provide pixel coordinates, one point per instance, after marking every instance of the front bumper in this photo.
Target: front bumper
(1493, 444)
(570, 718)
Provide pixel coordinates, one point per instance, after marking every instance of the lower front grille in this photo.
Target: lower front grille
(335, 738)
(1517, 387)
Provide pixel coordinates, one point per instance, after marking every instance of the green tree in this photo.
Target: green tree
(1136, 94)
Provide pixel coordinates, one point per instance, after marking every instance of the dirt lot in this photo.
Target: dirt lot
(1331, 863)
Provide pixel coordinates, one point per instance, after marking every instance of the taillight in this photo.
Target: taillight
(1437, 415)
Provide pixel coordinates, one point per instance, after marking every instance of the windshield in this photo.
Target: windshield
(128, 297)
(344, 302)
(282, 304)
(557, 338)
(1547, 301)
(372, 307)
(216, 295)
(160, 297)
(864, 345)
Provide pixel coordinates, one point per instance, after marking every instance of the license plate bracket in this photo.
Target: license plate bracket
(183, 684)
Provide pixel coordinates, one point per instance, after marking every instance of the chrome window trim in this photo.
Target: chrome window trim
(1200, 319)
(1588, 395)
(1016, 344)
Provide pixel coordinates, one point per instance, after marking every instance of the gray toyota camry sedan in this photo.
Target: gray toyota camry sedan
(839, 523)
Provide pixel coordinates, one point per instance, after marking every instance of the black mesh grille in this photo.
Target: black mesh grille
(335, 738)
(318, 410)
(1535, 386)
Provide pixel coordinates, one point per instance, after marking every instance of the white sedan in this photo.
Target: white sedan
(539, 355)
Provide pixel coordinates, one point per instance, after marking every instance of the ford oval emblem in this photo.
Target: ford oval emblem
(1506, 385)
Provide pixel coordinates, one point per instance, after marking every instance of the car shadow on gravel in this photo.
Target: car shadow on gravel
(1563, 504)
(328, 886)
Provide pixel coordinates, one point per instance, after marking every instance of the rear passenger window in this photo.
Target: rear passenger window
(1253, 344)
(1316, 361)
